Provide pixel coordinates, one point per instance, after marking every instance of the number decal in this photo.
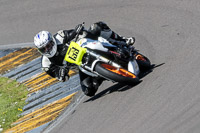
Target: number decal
(74, 53)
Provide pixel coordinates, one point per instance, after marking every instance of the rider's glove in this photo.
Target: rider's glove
(63, 74)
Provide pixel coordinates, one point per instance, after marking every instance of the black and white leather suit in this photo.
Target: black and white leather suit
(54, 65)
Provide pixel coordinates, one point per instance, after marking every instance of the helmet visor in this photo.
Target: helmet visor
(47, 48)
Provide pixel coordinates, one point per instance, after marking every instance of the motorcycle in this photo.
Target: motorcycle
(99, 58)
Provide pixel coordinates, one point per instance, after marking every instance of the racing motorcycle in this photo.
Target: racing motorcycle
(99, 58)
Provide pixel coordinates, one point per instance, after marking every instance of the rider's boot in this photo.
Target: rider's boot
(117, 39)
(130, 40)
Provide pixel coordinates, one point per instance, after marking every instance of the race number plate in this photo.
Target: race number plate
(75, 54)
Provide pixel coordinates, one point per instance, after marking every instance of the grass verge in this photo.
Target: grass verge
(12, 100)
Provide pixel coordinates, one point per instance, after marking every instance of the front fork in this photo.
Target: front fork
(98, 59)
(105, 60)
(132, 64)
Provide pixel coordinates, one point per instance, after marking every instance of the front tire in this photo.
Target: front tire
(118, 75)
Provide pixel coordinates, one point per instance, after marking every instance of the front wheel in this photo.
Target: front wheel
(120, 75)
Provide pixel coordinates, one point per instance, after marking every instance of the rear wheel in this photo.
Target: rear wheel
(118, 75)
(143, 62)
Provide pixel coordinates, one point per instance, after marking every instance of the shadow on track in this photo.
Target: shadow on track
(146, 72)
(119, 87)
(114, 88)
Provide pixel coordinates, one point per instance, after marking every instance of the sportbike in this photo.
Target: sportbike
(99, 58)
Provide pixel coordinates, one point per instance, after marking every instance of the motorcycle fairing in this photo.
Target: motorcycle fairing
(133, 67)
(100, 44)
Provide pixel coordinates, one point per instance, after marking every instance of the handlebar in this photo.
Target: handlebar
(78, 30)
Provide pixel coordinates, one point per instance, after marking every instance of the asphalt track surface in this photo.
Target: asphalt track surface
(168, 32)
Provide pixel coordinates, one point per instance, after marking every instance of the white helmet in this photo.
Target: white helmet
(45, 43)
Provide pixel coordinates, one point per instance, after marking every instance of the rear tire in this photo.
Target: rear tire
(122, 76)
(143, 62)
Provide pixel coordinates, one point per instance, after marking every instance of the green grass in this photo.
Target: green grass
(12, 100)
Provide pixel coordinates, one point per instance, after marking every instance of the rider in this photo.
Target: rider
(53, 48)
